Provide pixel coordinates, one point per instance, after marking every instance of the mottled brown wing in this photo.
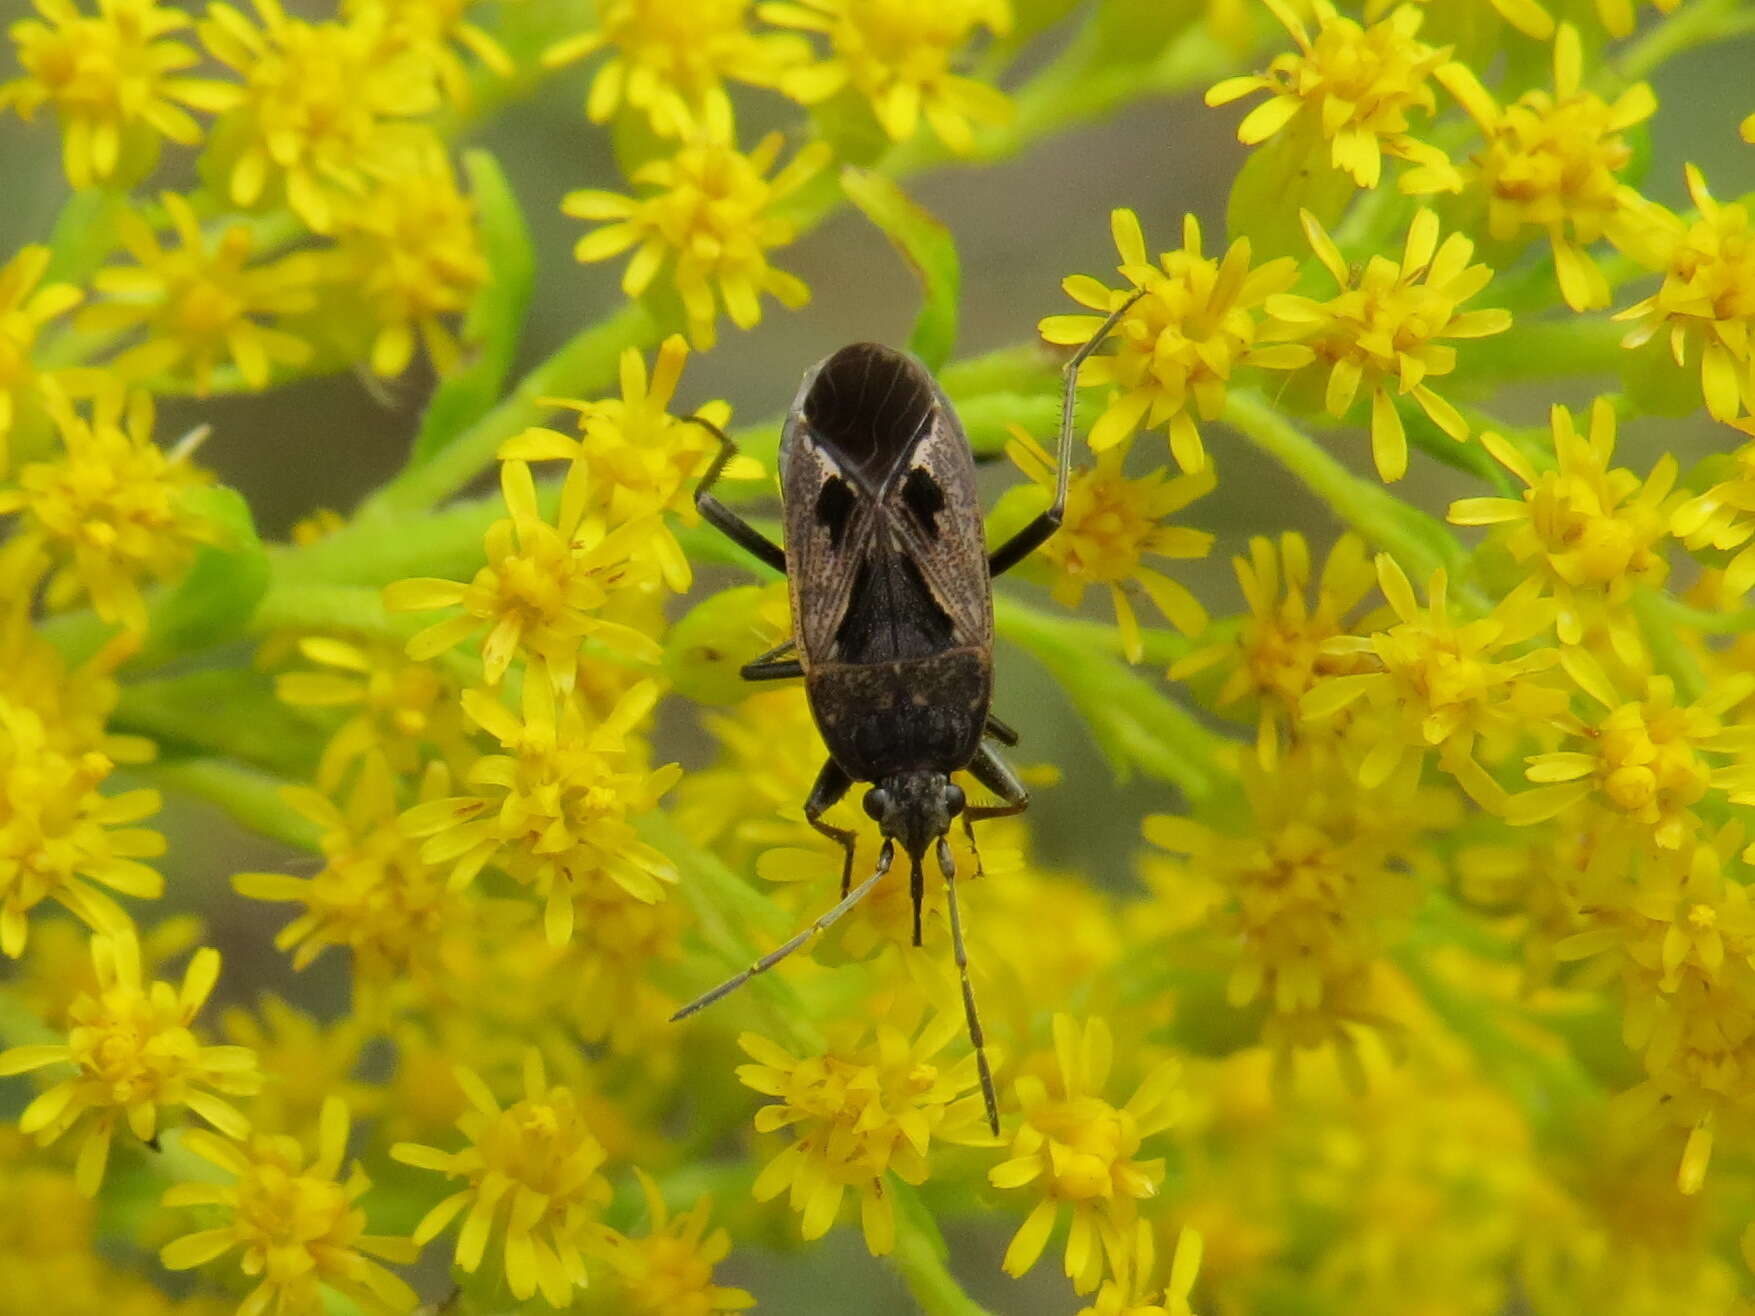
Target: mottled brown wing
(885, 558)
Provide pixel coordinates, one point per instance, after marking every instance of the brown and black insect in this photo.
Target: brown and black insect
(892, 616)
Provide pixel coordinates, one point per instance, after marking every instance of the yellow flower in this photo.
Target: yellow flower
(409, 251)
(554, 810)
(1707, 299)
(1311, 891)
(748, 798)
(1445, 686)
(1595, 534)
(115, 80)
(1551, 162)
(618, 938)
(540, 590)
(59, 836)
(1131, 1292)
(1112, 523)
(1278, 653)
(1723, 517)
(304, 1061)
(111, 512)
(869, 1106)
(295, 1220)
(430, 29)
(670, 61)
(374, 896)
(669, 1272)
(707, 218)
(136, 1057)
(1747, 129)
(537, 1158)
(897, 55)
(1385, 329)
(25, 308)
(1179, 344)
(74, 705)
(324, 108)
(203, 303)
(1353, 86)
(1644, 759)
(638, 461)
(406, 711)
(1073, 1148)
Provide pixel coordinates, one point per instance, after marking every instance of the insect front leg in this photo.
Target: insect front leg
(832, 783)
(1034, 535)
(721, 517)
(1000, 731)
(993, 772)
(771, 666)
(780, 952)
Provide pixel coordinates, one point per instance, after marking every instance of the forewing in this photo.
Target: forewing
(830, 525)
(933, 512)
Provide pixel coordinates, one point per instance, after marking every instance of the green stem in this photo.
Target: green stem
(922, 1268)
(1547, 349)
(20, 1026)
(1419, 542)
(249, 797)
(1696, 24)
(582, 366)
(1670, 653)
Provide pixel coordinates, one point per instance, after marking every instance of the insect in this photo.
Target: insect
(892, 614)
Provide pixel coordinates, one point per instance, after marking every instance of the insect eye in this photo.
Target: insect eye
(953, 799)
(877, 803)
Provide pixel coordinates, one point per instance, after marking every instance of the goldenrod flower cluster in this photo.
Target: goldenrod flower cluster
(1425, 979)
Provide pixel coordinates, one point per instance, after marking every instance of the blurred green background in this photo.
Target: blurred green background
(1021, 226)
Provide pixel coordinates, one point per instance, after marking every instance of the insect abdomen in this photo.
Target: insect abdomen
(883, 718)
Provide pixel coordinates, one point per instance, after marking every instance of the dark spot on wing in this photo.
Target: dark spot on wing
(924, 498)
(867, 406)
(835, 504)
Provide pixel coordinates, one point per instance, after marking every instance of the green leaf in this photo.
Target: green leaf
(257, 728)
(930, 251)
(214, 602)
(494, 320)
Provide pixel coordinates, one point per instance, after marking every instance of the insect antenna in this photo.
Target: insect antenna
(970, 1015)
(786, 948)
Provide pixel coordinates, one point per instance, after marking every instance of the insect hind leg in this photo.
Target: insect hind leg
(721, 517)
(1037, 532)
(832, 784)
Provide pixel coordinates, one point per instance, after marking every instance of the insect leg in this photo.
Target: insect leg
(993, 772)
(1032, 536)
(786, 948)
(726, 521)
(1000, 731)
(832, 784)
(970, 1016)
(771, 666)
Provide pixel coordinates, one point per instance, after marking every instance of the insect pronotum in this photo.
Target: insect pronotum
(892, 618)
